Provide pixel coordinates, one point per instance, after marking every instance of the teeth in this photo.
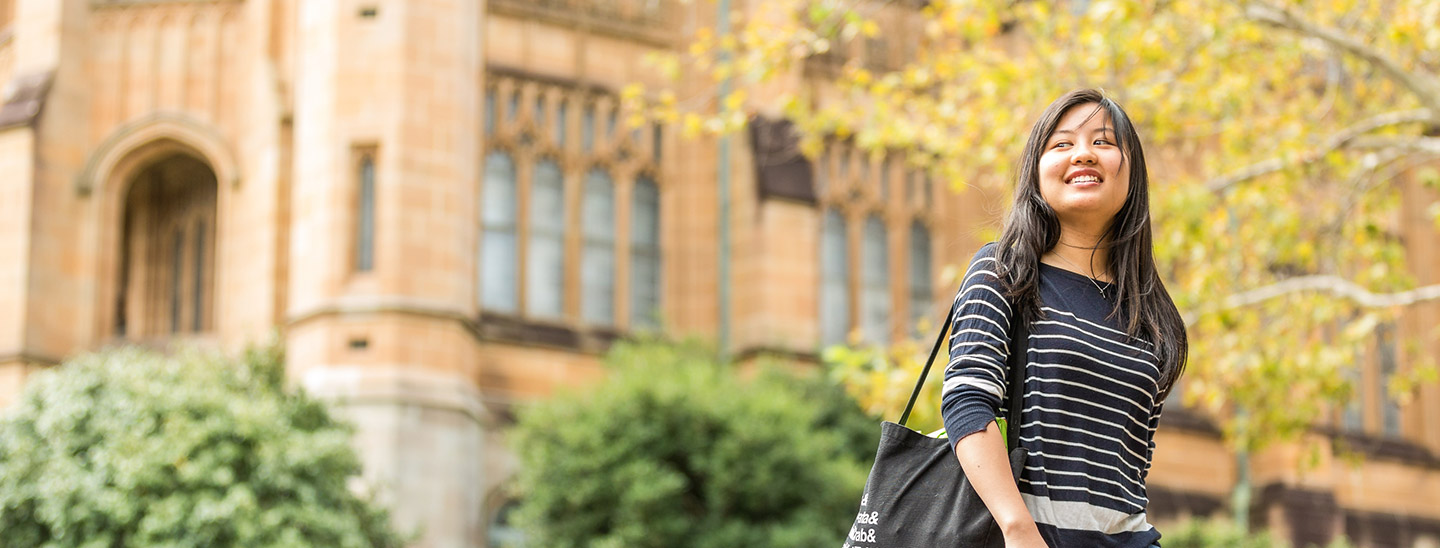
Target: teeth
(1085, 179)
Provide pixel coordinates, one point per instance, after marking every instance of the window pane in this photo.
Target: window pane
(497, 271)
(598, 210)
(645, 255)
(920, 290)
(645, 215)
(597, 267)
(597, 281)
(875, 283)
(539, 111)
(177, 273)
(545, 272)
(365, 225)
(197, 292)
(498, 264)
(499, 192)
(834, 279)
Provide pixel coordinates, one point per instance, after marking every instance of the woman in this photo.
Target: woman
(1106, 343)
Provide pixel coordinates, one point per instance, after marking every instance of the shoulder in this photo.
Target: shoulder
(984, 270)
(986, 262)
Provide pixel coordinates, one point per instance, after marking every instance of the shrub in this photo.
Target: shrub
(133, 448)
(674, 450)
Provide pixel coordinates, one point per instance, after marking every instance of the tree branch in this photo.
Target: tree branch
(1337, 286)
(1427, 90)
(1428, 145)
(1341, 139)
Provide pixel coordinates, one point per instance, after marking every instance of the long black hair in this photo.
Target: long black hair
(1033, 229)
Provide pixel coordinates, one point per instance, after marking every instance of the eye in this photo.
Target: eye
(1060, 144)
(1104, 142)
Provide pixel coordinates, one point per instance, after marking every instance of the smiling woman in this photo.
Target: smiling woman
(1105, 342)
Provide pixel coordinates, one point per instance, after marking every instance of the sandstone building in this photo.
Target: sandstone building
(434, 205)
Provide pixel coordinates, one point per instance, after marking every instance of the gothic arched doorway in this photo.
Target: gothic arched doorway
(167, 254)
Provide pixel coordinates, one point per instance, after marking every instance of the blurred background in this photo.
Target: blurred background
(450, 212)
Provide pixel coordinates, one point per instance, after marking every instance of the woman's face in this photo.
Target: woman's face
(1083, 175)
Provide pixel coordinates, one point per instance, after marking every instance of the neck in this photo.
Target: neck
(1090, 253)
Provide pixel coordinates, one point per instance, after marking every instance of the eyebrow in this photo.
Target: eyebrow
(1072, 132)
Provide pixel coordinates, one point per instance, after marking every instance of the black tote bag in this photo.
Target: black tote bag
(917, 495)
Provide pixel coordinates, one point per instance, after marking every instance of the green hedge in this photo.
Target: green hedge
(674, 450)
(132, 448)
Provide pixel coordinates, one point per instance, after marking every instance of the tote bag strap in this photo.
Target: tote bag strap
(1019, 339)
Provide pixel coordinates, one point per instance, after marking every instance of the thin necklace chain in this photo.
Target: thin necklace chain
(1092, 280)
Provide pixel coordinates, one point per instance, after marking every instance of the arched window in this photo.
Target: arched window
(875, 282)
(834, 280)
(597, 254)
(499, 266)
(167, 241)
(920, 289)
(545, 271)
(645, 255)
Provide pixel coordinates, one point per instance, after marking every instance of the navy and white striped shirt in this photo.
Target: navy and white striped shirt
(1090, 404)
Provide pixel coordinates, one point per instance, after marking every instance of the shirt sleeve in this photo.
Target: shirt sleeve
(1150, 450)
(975, 379)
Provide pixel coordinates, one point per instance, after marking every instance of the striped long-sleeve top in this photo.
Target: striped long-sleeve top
(1090, 403)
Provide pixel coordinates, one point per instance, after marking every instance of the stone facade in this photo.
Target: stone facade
(217, 170)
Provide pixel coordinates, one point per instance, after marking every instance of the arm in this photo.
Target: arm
(982, 456)
(975, 382)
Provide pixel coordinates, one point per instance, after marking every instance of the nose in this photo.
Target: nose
(1083, 154)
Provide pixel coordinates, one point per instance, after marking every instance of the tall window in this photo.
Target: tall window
(499, 284)
(597, 256)
(921, 293)
(875, 282)
(197, 283)
(546, 273)
(365, 214)
(847, 179)
(571, 214)
(1386, 362)
(645, 255)
(834, 280)
(177, 280)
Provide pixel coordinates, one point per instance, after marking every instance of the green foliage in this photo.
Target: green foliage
(882, 379)
(1276, 189)
(675, 450)
(1224, 534)
(132, 448)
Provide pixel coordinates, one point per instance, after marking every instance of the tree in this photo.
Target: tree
(1281, 139)
(132, 448)
(672, 449)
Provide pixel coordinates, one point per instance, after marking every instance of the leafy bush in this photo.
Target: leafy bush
(673, 450)
(133, 448)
